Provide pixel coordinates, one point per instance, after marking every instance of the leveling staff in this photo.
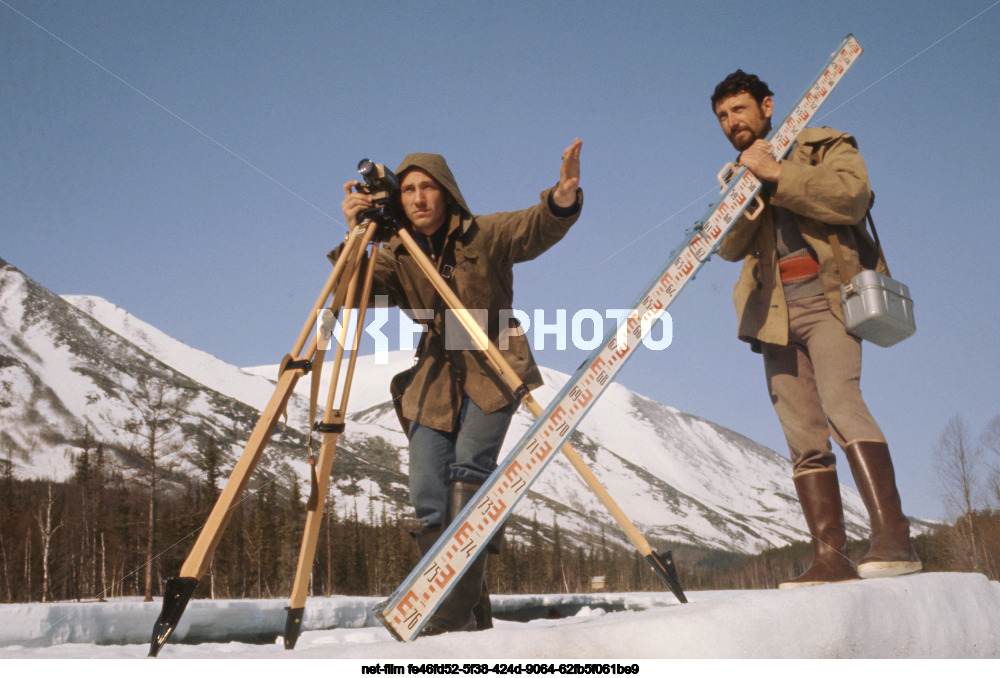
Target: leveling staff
(788, 303)
(455, 411)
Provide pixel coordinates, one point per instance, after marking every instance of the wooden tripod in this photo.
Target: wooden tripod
(307, 355)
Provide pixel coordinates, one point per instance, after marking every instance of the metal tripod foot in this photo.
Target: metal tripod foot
(177, 591)
(293, 626)
(663, 565)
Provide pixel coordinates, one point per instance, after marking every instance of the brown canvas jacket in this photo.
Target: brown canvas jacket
(824, 182)
(477, 260)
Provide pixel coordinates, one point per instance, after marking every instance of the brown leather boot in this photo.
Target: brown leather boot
(891, 553)
(819, 494)
(461, 609)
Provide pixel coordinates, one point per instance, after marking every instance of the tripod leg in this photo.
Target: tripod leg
(310, 536)
(333, 426)
(662, 565)
(179, 590)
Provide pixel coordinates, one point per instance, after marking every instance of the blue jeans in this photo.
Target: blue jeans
(469, 452)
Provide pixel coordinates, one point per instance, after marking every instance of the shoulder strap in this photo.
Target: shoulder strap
(838, 253)
(871, 225)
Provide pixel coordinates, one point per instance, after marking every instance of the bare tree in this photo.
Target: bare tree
(959, 465)
(46, 530)
(27, 565)
(990, 440)
(155, 428)
(7, 492)
(104, 572)
(4, 571)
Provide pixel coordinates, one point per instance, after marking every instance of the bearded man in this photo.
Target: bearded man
(788, 304)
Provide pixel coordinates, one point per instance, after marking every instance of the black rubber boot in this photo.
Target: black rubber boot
(457, 611)
(425, 538)
(483, 610)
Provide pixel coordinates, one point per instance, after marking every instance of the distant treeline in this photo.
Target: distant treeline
(88, 538)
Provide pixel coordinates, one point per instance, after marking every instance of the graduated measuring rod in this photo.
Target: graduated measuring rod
(178, 590)
(662, 564)
(406, 611)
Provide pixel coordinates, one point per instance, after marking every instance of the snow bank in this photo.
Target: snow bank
(936, 615)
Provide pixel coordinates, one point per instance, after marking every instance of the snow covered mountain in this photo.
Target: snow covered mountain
(75, 362)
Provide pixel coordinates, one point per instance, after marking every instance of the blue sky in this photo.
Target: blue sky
(185, 161)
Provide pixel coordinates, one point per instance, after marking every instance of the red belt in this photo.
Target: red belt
(798, 268)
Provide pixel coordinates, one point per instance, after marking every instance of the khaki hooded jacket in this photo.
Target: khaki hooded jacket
(824, 182)
(476, 261)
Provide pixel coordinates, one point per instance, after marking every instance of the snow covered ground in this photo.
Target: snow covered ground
(934, 615)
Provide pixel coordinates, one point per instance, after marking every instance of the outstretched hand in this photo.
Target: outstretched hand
(569, 176)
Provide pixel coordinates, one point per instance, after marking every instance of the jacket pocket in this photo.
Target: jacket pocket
(471, 281)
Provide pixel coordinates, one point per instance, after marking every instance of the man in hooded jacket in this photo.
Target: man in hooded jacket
(454, 409)
(788, 302)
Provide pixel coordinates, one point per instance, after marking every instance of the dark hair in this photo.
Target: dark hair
(741, 82)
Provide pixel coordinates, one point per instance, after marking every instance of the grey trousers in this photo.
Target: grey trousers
(815, 386)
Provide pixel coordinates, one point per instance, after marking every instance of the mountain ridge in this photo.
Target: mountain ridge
(68, 363)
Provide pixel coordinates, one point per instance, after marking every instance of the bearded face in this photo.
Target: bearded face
(743, 120)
